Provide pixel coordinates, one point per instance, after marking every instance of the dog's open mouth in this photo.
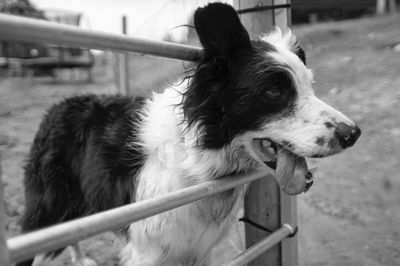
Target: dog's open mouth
(291, 171)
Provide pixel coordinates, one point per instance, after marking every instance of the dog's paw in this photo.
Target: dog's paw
(86, 261)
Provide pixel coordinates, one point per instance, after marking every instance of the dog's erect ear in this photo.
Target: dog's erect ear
(295, 48)
(301, 54)
(220, 31)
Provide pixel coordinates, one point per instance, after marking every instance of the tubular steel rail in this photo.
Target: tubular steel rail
(14, 28)
(263, 245)
(27, 245)
(61, 235)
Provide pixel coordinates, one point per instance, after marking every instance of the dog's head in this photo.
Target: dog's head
(259, 94)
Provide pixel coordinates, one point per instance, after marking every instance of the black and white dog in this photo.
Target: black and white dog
(247, 102)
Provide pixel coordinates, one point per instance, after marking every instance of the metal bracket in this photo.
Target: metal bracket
(262, 8)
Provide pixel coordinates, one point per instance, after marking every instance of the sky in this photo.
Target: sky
(146, 18)
(106, 15)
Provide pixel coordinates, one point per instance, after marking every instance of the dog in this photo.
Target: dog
(248, 105)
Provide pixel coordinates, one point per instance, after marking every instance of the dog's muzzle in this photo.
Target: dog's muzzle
(291, 170)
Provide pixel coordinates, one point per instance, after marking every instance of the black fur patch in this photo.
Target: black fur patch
(320, 141)
(301, 54)
(80, 162)
(329, 125)
(288, 145)
(333, 144)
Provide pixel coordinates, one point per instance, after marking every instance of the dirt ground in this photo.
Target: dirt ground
(350, 216)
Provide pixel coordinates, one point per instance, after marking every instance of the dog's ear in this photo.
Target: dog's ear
(220, 31)
(300, 53)
(295, 47)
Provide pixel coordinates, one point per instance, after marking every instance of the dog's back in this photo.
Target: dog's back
(80, 162)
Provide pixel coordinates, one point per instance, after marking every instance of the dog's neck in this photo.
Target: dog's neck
(212, 164)
(165, 134)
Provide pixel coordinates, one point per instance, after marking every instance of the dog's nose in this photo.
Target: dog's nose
(347, 135)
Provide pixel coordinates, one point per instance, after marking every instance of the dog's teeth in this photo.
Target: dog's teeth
(271, 150)
(309, 176)
(268, 147)
(308, 186)
(265, 143)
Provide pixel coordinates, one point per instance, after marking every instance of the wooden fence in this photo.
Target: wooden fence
(21, 247)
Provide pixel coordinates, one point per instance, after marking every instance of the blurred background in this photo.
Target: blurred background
(350, 216)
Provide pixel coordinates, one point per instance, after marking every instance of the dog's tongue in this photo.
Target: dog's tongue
(291, 172)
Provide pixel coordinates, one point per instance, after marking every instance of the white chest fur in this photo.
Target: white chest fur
(183, 236)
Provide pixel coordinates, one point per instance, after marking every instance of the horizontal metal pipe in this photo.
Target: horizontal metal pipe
(61, 235)
(16, 28)
(257, 249)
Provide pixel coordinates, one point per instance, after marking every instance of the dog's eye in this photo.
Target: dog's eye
(273, 93)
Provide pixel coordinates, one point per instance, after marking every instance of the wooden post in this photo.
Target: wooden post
(288, 204)
(123, 65)
(262, 200)
(392, 6)
(282, 16)
(264, 203)
(262, 206)
(380, 7)
(289, 246)
(255, 22)
(313, 18)
(4, 255)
